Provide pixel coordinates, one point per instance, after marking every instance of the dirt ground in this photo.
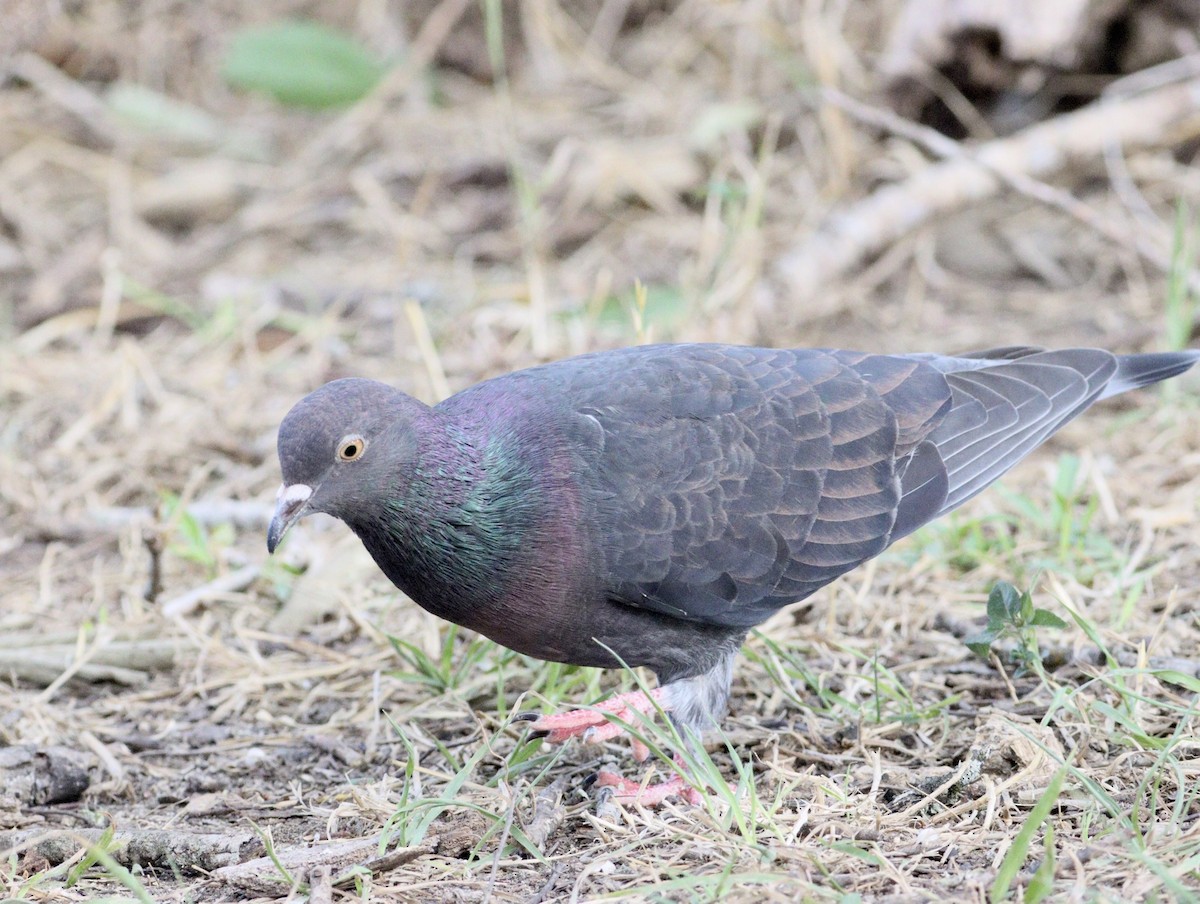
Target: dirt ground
(186, 705)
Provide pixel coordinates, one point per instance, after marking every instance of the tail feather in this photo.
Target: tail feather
(1134, 371)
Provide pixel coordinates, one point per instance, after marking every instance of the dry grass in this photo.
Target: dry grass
(163, 303)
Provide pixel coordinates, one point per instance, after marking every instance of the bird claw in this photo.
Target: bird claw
(530, 717)
(591, 725)
(628, 791)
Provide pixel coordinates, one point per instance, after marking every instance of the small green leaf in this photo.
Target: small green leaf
(1044, 618)
(301, 64)
(1026, 608)
(1004, 603)
(157, 113)
(980, 644)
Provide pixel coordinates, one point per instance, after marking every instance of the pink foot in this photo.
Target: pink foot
(640, 751)
(628, 791)
(591, 724)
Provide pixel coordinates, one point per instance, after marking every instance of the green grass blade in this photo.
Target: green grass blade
(1015, 858)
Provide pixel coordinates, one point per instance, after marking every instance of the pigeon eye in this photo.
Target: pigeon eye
(351, 447)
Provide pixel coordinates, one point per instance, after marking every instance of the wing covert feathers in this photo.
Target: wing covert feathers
(737, 480)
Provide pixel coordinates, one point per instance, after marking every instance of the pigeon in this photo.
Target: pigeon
(648, 506)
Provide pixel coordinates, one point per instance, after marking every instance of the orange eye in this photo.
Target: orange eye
(351, 447)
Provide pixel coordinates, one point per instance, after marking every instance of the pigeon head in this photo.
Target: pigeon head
(336, 445)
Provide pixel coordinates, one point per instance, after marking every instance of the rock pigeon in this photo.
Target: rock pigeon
(655, 503)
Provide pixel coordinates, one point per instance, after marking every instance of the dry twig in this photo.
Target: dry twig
(852, 235)
(342, 859)
(181, 605)
(167, 849)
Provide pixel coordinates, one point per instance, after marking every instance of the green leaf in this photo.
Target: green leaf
(1044, 618)
(1026, 608)
(1004, 604)
(301, 64)
(980, 644)
(154, 112)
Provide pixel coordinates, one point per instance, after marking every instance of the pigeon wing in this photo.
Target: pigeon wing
(731, 481)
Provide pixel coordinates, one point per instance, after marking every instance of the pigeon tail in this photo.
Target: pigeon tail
(1135, 371)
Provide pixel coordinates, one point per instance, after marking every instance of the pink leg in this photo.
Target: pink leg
(591, 726)
(591, 723)
(626, 790)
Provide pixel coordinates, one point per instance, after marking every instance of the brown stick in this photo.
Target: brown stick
(167, 849)
(263, 875)
(181, 605)
(851, 236)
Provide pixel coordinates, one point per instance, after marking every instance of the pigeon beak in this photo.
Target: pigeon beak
(290, 503)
